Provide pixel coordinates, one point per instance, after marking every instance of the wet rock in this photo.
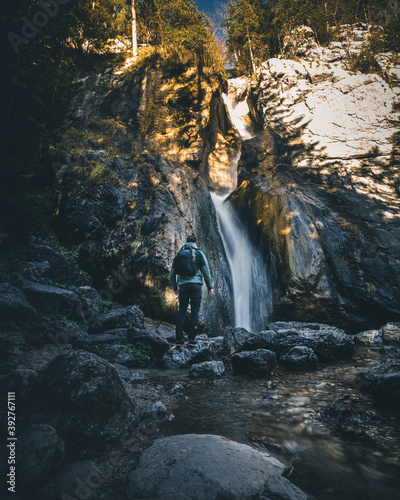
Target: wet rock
(258, 363)
(328, 342)
(256, 341)
(52, 300)
(207, 467)
(33, 271)
(207, 370)
(391, 334)
(82, 396)
(300, 358)
(124, 317)
(186, 356)
(369, 338)
(91, 303)
(158, 344)
(156, 410)
(234, 339)
(41, 454)
(14, 304)
(60, 270)
(178, 390)
(76, 480)
(383, 383)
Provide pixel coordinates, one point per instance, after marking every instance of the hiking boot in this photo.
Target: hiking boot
(192, 343)
(179, 343)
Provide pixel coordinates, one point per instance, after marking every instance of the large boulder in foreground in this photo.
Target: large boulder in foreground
(208, 467)
(328, 342)
(82, 396)
(383, 383)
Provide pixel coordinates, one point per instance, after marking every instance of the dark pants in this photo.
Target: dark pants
(192, 292)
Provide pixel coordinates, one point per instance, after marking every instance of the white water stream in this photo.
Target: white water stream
(252, 292)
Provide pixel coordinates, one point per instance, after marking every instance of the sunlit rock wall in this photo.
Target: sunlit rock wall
(320, 187)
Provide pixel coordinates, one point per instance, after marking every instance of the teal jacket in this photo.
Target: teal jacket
(197, 278)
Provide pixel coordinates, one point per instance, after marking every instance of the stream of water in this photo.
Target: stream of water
(341, 446)
(252, 292)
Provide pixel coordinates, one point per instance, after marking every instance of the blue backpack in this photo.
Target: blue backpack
(186, 261)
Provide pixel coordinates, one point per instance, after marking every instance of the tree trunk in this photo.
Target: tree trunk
(253, 65)
(134, 34)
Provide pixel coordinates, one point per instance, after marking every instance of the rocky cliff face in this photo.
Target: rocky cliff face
(320, 185)
(129, 210)
(160, 108)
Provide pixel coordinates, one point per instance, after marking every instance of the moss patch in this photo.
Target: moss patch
(97, 173)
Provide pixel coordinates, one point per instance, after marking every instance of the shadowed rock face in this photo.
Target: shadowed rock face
(82, 396)
(334, 247)
(319, 188)
(129, 230)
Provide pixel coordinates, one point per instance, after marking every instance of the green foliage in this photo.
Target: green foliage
(60, 317)
(102, 351)
(140, 351)
(250, 39)
(71, 256)
(107, 305)
(264, 25)
(392, 35)
(364, 62)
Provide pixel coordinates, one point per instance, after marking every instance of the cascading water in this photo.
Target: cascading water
(252, 293)
(239, 113)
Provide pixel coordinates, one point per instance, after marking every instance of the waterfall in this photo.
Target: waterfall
(239, 113)
(252, 292)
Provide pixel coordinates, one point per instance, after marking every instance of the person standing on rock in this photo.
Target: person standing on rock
(188, 267)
